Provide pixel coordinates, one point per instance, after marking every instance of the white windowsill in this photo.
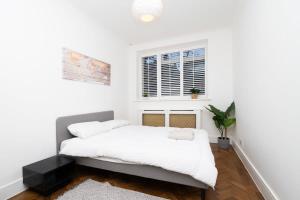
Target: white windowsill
(163, 100)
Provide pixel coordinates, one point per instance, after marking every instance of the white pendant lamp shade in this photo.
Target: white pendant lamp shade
(147, 10)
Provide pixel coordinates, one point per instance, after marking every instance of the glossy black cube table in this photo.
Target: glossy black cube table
(48, 175)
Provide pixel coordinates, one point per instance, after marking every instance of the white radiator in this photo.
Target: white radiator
(173, 118)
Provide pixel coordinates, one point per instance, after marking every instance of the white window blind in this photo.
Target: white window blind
(149, 76)
(170, 74)
(194, 70)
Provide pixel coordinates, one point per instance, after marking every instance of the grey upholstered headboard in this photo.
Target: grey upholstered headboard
(62, 123)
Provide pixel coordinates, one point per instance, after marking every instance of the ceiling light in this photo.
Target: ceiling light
(147, 10)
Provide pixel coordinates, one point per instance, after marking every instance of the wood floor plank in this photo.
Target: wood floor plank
(234, 183)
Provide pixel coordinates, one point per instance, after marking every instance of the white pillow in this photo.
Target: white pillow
(181, 134)
(115, 123)
(87, 129)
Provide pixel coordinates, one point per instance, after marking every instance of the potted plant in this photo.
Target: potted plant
(195, 92)
(145, 94)
(223, 120)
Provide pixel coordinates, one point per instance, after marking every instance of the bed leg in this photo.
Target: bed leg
(202, 194)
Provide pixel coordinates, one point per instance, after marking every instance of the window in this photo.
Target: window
(150, 76)
(194, 71)
(174, 74)
(170, 74)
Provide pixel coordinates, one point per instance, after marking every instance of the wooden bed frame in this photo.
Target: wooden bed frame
(146, 171)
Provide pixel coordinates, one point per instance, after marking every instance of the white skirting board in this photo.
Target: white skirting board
(11, 189)
(267, 192)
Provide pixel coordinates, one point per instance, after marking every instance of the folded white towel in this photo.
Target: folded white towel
(181, 134)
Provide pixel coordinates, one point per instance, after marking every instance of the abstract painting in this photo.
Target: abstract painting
(79, 67)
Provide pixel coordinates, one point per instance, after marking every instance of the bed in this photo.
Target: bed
(121, 166)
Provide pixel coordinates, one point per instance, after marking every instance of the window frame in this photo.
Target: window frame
(142, 74)
(159, 53)
(180, 74)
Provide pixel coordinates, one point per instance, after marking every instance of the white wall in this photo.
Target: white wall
(267, 90)
(220, 90)
(33, 94)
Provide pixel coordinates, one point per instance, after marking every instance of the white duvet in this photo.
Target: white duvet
(150, 146)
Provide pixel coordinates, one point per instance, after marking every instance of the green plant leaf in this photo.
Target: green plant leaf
(195, 91)
(229, 122)
(230, 109)
(218, 121)
(216, 111)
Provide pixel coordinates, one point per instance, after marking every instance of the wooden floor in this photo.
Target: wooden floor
(234, 183)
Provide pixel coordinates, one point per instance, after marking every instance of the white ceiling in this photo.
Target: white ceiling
(179, 17)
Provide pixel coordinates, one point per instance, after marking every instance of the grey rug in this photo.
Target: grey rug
(93, 190)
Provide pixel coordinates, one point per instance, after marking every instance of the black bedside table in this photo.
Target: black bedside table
(48, 175)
